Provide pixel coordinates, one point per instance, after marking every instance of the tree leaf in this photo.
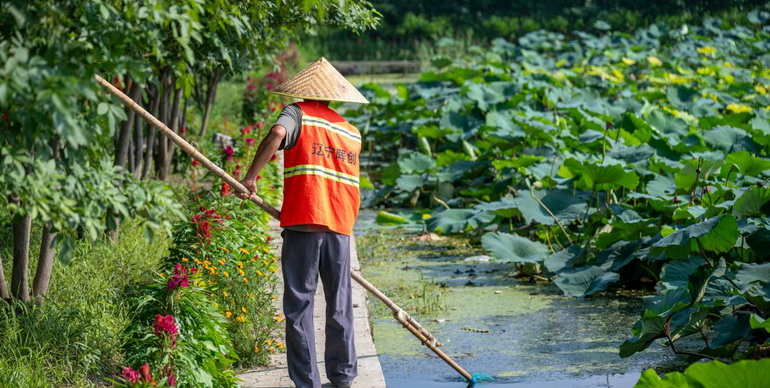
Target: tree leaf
(514, 248)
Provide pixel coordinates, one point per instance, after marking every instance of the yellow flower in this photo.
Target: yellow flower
(225, 249)
(216, 305)
(228, 314)
(739, 108)
(259, 273)
(184, 259)
(256, 349)
(280, 344)
(240, 264)
(225, 294)
(225, 273)
(269, 342)
(425, 216)
(706, 50)
(221, 261)
(278, 317)
(244, 251)
(628, 61)
(245, 280)
(240, 271)
(240, 319)
(243, 309)
(654, 61)
(163, 275)
(274, 269)
(272, 349)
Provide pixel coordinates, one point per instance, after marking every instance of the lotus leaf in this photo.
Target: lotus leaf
(514, 248)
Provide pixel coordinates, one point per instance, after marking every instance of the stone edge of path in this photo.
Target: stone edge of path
(369, 369)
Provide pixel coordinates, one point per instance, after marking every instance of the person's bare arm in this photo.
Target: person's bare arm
(267, 148)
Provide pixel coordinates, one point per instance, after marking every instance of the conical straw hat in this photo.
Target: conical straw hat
(320, 81)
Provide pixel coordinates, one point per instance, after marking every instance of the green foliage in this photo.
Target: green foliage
(75, 335)
(226, 241)
(714, 374)
(644, 155)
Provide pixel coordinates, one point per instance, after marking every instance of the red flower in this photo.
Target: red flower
(228, 152)
(5, 116)
(179, 279)
(165, 324)
(204, 230)
(260, 125)
(251, 86)
(171, 379)
(249, 141)
(259, 177)
(246, 130)
(183, 130)
(237, 171)
(270, 87)
(225, 189)
(268, 240)
(195, 162)
(131, 375)
(144, 371)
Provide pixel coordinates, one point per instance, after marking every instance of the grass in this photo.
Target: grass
(74, 338)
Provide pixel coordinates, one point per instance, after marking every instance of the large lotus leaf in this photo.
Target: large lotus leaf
(681, 97)
(728, 139)
(520, 163)
(410, 182)
(597, 176)
(460, 123)
(562, 203)
(458, 220)
(503, 121)
(505, 207)
(716, 234)
(687, 177)
(751, 202)
(617, 255)
(653, 320)
(662, 186)
(632, 154)
(668, 303)
(759, 241)
(487, 94)
(752, 273)
(415, 162)
(676, 274)
(730, 329)
(585, 280)
(514, 248)
(713, 374)
(667, 124)
(565, 258)
(747, 164)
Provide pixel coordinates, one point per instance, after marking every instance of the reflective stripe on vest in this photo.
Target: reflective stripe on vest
(321, 172)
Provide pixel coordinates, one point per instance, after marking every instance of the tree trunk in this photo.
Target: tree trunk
(19, 274)
(212, 92)
(150, 148)
(44, 265)
(139, 145)
(3, 285)
(166, 170)
(165, 105)
(121, 152)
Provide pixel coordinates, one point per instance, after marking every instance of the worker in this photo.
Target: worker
(320, 205)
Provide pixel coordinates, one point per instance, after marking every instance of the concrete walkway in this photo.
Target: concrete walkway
(369, 369)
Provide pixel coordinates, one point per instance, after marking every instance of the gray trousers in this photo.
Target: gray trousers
(304, 256)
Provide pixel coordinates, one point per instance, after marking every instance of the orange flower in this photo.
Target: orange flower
(228, 314)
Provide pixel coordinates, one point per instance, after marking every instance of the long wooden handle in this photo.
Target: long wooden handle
(187, 147)
(401, 316)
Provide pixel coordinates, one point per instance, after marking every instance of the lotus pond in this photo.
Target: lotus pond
(522, 333)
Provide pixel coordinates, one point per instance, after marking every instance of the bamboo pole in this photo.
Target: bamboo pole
(399, 314)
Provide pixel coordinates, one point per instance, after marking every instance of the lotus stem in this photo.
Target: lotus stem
(532, 193)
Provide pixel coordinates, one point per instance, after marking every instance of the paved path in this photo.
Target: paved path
(369, 369)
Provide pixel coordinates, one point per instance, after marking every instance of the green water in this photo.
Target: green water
(521, 333)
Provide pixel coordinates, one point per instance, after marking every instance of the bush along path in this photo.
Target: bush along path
(613, 160)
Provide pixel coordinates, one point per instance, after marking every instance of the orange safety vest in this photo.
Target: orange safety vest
(321, 172)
